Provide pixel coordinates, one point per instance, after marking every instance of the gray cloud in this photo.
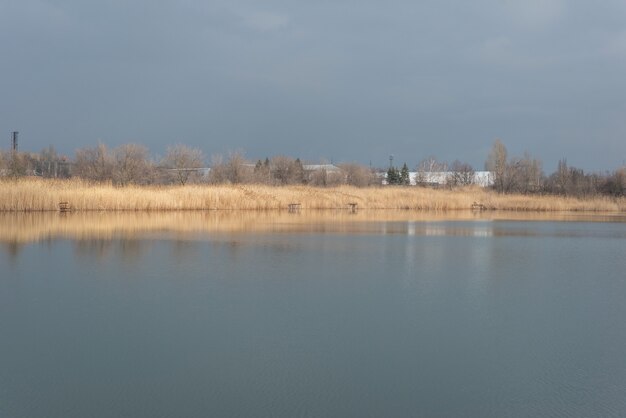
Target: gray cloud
(351, 80)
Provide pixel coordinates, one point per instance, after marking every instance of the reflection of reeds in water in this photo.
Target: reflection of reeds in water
(45, 195)
(27, 227)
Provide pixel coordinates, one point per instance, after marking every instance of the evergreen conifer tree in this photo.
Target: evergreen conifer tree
(405, 179)
(393, 176)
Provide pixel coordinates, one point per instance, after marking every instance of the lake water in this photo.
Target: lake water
(312, 315)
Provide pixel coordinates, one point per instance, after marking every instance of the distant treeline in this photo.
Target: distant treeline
(525, 175)
(132, 164)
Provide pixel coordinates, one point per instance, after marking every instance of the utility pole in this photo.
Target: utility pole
(14, 141)
(391, 161)
(14, 167)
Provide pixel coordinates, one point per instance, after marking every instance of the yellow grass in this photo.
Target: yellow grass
(45, 195)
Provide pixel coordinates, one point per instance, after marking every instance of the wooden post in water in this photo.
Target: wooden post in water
(353, 206)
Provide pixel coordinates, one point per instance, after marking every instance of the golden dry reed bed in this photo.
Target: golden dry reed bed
(45, 195)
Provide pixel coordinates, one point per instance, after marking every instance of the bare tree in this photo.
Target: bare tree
(183, 161)
(234, 170)
(497, 164)
(50, 164)
(12, 164)
(94, 163)
(461, 174)
(17, 164)
(529, 175)
(238, 171)
(131, 165)
(522, 175)
(432, 165)
(580, 184)
(297, 172)
(261, 172)
(280, 166)
(319, 178)
(562, 176)
(427, 167)
(3, 164)
(615, 183)
(218, 174)
(358, 175)
(573, 181)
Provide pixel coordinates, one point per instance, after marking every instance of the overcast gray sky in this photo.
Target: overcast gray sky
(352, 80)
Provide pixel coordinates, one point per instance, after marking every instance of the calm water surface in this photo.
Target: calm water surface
(387, 318)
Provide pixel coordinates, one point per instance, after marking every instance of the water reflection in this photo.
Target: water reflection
(333, 314)
(99, 249)
(93, 230)
(134, 251)
(128, 250)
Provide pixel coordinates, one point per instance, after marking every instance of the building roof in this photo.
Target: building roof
(317, 167)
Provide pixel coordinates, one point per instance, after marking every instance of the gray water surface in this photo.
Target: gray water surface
(391, 319)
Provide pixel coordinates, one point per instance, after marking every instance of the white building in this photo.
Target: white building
(480, 178)
(440, 178)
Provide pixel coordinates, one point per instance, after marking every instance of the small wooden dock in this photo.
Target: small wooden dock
(294, 207)
(64, 207)
(353, 207)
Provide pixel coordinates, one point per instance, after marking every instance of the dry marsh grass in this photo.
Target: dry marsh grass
(45, 195)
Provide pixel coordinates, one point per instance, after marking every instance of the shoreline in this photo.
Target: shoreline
(46, 195)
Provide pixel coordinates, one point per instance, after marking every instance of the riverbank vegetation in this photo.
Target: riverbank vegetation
(34, 194)
(127, 178)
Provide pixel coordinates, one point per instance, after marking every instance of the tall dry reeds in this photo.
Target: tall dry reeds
(45, 195)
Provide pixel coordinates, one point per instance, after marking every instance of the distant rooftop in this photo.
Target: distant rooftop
(318, 167)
